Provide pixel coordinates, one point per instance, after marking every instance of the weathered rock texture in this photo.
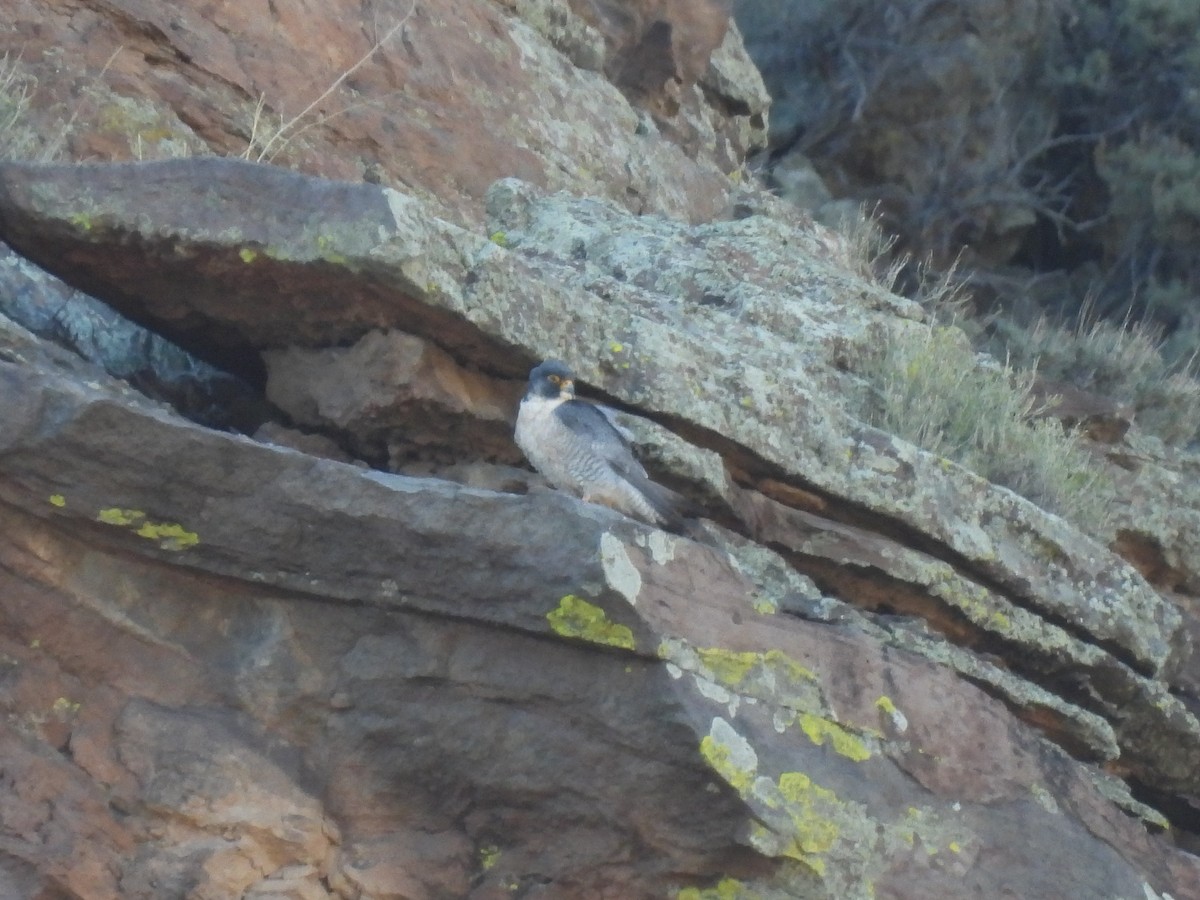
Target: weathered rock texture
(243, 667)
(657, 315)
(450, 96)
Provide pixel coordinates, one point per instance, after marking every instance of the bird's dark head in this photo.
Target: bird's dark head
(551, 379)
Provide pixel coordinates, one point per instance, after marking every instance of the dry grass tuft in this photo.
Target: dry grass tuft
(1125, 362)
(268, 140)
(17, 141)
(933, 390)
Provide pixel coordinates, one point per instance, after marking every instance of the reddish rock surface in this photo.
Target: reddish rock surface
(457, 94)
(189, 715)
(367, 655)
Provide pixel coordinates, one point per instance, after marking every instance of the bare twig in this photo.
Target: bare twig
(288, 130)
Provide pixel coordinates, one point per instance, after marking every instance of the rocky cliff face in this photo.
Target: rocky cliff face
(296, 622)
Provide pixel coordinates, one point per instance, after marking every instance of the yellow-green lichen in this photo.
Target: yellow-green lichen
(727, 666)
(765, 606)
(972, 600)
(116, 516)
(499, 238)
(809, 827)
(575, 617)
(767, 841)
(814, 832)
(616, 346)
(898, 720)
(248, 255)
(725, 889)
(168, 535)
(324, 249)
(780, 662)
(58, 500)
(999, 621)
(721, 757)
(65, 707)
(821, 731)
(488, 856)
(731, 667)
(82, 221)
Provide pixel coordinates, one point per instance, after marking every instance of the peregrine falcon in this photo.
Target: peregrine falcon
(579, 447)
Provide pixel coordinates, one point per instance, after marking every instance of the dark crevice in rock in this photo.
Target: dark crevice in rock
(1145, 553)
(729, 107)
(876, 591)
(152, 364)
(436, 439)
(751, 472)
(879, 593)
(1047, 721)
(1183, 813)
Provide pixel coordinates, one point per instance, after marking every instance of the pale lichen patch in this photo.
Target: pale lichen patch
(620, 572)
(730, 755)
(661, 546)
(899, 721)
(717, 694)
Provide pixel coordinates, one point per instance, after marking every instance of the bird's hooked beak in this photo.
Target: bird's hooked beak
(566, 386)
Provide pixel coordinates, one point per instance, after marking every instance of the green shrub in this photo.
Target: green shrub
(932, 389)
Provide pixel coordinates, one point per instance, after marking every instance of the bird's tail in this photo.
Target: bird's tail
(672, 508)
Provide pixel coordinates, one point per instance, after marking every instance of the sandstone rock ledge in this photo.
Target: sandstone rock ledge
(236, 669)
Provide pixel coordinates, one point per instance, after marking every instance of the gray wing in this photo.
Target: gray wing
(611, 414)
(596, 426)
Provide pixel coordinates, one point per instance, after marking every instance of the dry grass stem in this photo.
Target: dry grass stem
(287, 131)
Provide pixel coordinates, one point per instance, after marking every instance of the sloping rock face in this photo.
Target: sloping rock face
(439, 689)
(352, 648)
(442, 98)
